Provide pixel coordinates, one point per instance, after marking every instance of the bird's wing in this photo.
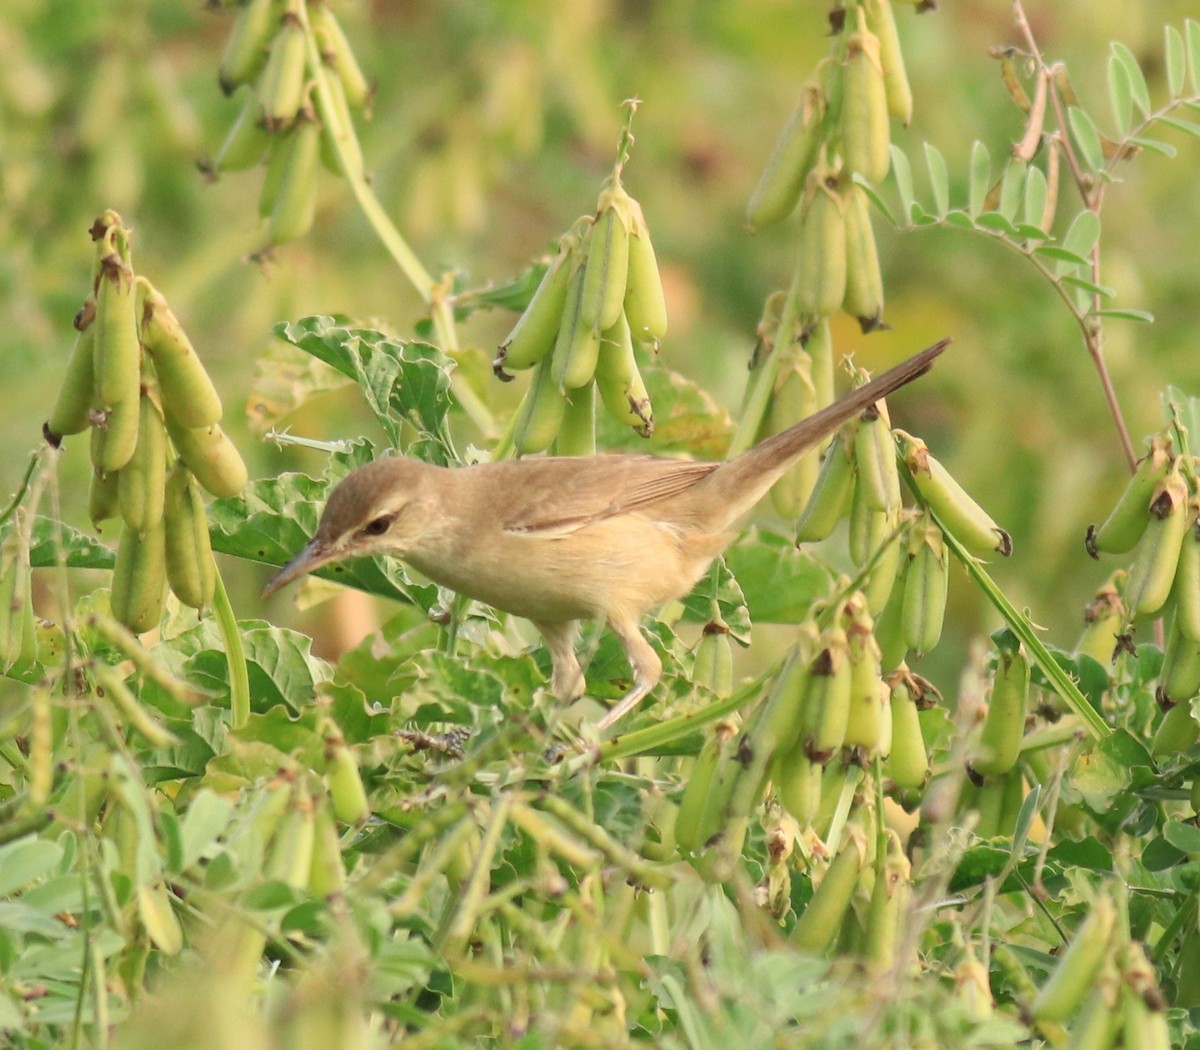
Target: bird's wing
(622, 485)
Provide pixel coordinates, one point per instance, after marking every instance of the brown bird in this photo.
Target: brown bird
(563, 539)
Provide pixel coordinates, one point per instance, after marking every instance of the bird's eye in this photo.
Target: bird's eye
(378, 526)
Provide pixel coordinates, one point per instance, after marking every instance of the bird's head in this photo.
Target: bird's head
(381, 508)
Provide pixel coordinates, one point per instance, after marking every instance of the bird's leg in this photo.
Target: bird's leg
(643, 661)
(566, 676)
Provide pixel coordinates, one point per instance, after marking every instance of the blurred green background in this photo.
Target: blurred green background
(493, 127)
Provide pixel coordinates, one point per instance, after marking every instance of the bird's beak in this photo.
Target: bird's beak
(313, 556)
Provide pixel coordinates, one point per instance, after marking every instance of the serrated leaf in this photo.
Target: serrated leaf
(980, 178)
(1012, 188)
(1036, 191)
(902, 173)
(1141, 316)
(1191, 31)
(1086, 138)
(1137, 79)
(80, 550)
(285, 378)
(1053, 251)
(1175, 59)
(1163, 149)
(401, 381)
(722, 588)
(1120, 94)
(939, 179)
(780, 582)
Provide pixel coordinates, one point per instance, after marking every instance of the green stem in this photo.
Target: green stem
(239, 676)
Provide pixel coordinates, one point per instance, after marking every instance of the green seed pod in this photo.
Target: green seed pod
(602, 295)
(248, 43)
(540, 413)
(819, 285)
(577, 348)
(139, 579)
(875, 459)
(211, 456)
(117, 356)
(103, 494)
(327, 876)
(689, 818)
(864, 119)
(869, 528)
(72, 409)
(889, 900)
(290, 852)
(818, 342)
(246, 142)
(533, 336)
(158, 917)
(782, 181)
(1103, 619)
(188, 395)
(832, 493)
(1179, 679)
(140, 482)
(1075, 973)
(793, 399)
(1176, 733)
(713, 667)
(866, 721)
(279, 154)
(620, 381)
(1152, 574)
(881, 21)
(281, 86)
(1123, 528)
(343, 780)
(191, 571)
(863, 296)
(337, 130)
(825, 711)
(336, 52)
(295, 204)
(820, 921)
(965, 519)
(577, 432)
(889, 623)
(119, 437)
(797, 779)
(926, 581)
(907, 766)
(1004, 724)
(1186, 589)
(645, 303)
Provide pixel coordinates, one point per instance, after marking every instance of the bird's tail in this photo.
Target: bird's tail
(739, 484)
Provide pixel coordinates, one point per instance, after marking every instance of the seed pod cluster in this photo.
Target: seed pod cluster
(1157, 519)
(297, 113)
(155, 427)
(600, 295)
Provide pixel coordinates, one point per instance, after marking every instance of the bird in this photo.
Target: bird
(563, 539)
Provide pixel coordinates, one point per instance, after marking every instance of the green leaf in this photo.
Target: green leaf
(873, 196)
(1163, 149)
(1083, 233)
(902, 173)
(1035, 198)
(1188, 127)
(980, 178)
(780, 582)
(17, 917)
(1059, 254)
(1137, 79)
(959, 219)
(207, 816)
(1175, 59)
(939, 179)
(280, 662)
(1094, 289)
(994, 222)
(26, 861)
(1184, 837)
(1120, 94)
(1086, 137)
(513, 294)
(402, 382)
(720, 593)
(1012, 188)
(1142, 316)
(80, 550)
(1191, 30)
(1031, 233)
